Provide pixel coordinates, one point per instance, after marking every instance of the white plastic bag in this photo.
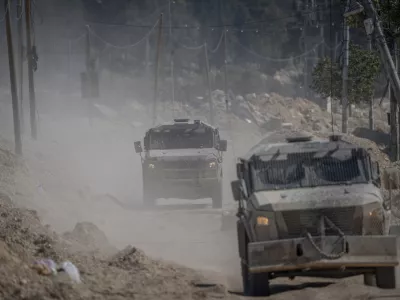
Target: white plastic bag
(72, 271)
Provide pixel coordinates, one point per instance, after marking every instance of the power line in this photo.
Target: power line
(215, 26)
(218, 44)
(125, 46)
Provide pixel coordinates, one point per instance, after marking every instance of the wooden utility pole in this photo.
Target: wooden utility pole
(159, 41)
(305, 61)
(345, 100)
(210, 100)
(394, 116)
(322, 34)
(336, 45)
(171, 48)
(13, 81)
(32, 99)
(88, 60)
(21, 62)
(371, 97)
(226, 71)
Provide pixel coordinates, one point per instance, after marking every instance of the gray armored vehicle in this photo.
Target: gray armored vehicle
(313, 208)
(182, 159)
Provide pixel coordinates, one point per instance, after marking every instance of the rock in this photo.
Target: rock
(89, 236)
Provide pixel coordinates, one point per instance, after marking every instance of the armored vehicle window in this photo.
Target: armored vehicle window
(309, 169)
(278, 173)
(335, 169)
(181, 138)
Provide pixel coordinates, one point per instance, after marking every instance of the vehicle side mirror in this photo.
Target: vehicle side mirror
(138, 147)
(387, 204)
(223, 145)
(236, 190)
(239, 170)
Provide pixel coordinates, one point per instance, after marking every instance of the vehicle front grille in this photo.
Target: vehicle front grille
(183, 164)
(189, 174)
(298, 222)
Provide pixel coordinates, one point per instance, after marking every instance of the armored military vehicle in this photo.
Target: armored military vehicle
(182, 159)
(313, 208)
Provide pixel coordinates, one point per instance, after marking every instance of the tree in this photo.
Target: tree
(364, 67)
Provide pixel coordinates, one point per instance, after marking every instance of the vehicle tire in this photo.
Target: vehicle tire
(388, 277)
(254, 285)
(370, 279)
(217, 195)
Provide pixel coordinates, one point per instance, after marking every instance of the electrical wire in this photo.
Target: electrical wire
(191, 47)
(218, 44)
(125, 46)
(216, 26)
(157, 11)
(74, 40)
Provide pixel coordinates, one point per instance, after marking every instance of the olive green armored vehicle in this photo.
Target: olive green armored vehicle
(313, 208)
(182, 159)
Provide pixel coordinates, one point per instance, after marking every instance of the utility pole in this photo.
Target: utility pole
(368, 24)
(322, 34)
(14, 94)
(371, 99)
(336, 45)
(88, 86)
(226, 71)
(21, 63)
(394, 117)
(171, 45)
(32, 99)
(159, 41)
(345, 72)
(210, 100)
(305, 77)
(148, 56)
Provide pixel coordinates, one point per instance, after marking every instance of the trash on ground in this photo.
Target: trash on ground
(72, 271)
(45, 267)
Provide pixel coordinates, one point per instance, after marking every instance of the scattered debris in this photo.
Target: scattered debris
(72, 271)
(45, 267)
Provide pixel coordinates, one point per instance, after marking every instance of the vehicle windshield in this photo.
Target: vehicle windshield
(184, 138)
(302, 170)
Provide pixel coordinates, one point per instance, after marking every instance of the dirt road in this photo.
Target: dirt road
(85, 175)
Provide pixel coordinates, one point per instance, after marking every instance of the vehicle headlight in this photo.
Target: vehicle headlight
(212, 164)
(265, 227)
(373, 219)
(151, 166)
(372, 210)
(262, 221)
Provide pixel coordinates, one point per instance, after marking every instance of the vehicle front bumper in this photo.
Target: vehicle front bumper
(194, 184)
(283, 255)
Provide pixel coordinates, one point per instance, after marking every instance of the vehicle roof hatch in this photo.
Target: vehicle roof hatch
(299, 138)
(181, 120)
